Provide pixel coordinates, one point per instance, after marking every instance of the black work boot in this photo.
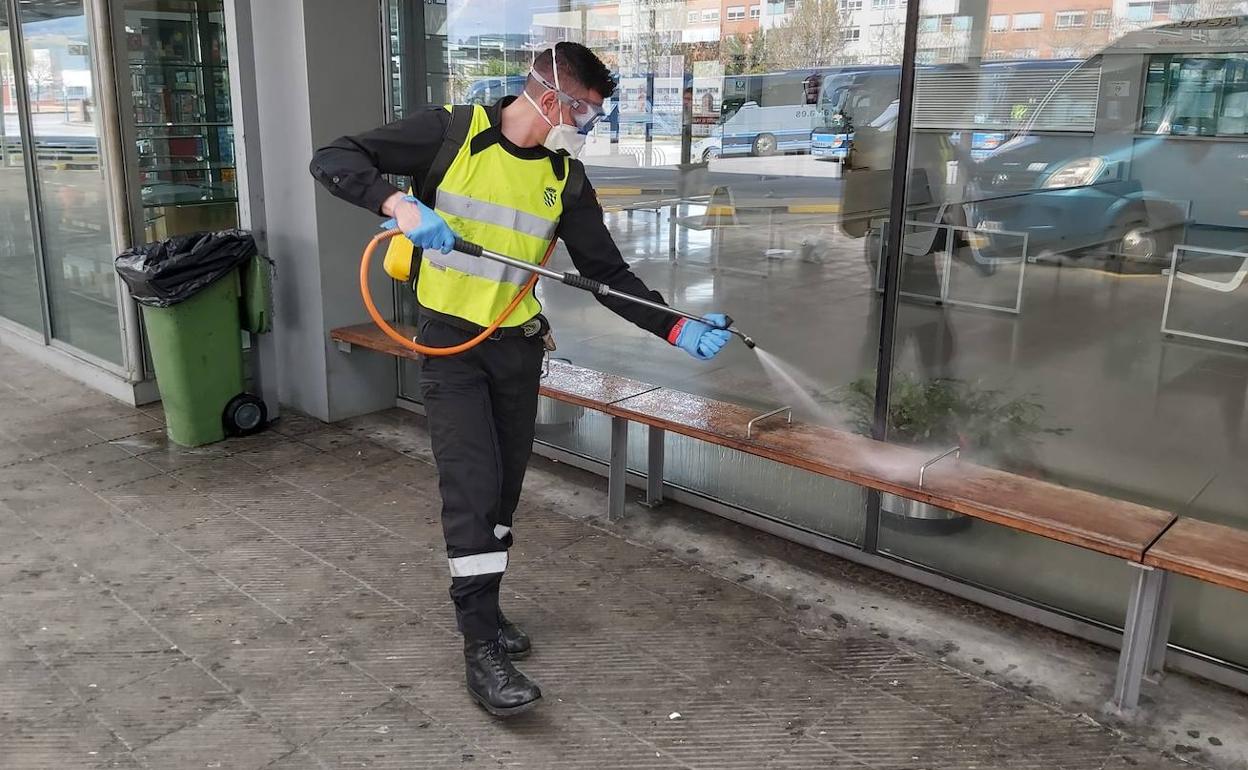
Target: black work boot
(513, 639)
(494, 682)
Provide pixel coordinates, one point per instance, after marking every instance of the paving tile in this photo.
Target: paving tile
(882, 731)
(318, 701)
(77, 462)
(97, 671)
(1028, 728)
(397, 736)
(408, 657)
(29, 693)
(264, 663)
(116, 473)
(234, 739)
(355, 619)
(215, 624)
(161, 704)
(73, 740)
(713, 732)
(936, 688)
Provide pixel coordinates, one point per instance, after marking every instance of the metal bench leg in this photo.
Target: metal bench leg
(617, 481)
(1143, 611)
(1161, 635)
(654, 468)
(671, 230)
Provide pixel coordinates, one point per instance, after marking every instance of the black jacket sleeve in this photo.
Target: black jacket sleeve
(352, 167)
(596, 256)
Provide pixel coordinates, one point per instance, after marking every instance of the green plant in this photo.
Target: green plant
(945, 411)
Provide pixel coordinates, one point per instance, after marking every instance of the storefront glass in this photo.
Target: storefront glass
(19, 279)
(1073, 278)
(73, 197)
(705, 173)
(1071, 274)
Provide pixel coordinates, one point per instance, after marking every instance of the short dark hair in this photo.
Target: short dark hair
(578, 64)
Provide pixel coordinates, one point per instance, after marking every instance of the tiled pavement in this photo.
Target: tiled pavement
(280, 601)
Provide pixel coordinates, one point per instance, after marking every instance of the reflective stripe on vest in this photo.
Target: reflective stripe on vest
(492, 213)
(506, 204)
(478, 266)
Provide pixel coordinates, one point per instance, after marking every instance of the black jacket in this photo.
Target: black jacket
(352, 168)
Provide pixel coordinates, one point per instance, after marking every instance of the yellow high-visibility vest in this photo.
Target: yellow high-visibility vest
(506, 204)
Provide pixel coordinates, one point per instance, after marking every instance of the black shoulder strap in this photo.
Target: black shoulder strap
(454, 138)
(575, 185)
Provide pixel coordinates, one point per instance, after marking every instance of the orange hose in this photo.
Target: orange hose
(390, 331)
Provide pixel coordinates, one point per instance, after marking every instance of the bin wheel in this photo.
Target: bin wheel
(244, 415)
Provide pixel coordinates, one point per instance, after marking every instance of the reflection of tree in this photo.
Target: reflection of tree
(885, 39)
(40, 75)
(656, 32)
(812, 38)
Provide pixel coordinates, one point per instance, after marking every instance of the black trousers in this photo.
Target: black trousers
(481, 408)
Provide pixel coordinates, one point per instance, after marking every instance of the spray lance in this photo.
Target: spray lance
(575, 280)
(579, 281)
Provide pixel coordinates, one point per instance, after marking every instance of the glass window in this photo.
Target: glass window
(755, 11)
(929, 23)
(736, 12)
(1190, 95)
(852, 5)
(1070, 19)
(1073, 311)
(999, 23)
(179, 78)
(77, 237)
(851, 35)
(19, 279)
(754, 111)
(1028, 21)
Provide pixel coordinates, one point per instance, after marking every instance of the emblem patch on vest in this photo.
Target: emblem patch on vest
(549, 196)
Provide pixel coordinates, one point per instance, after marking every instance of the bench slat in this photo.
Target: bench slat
(1214, 553)
(1072, 516)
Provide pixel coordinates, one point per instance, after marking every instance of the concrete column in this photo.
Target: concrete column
(317, 76)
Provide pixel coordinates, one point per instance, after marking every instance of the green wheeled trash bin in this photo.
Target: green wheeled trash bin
(196, 292)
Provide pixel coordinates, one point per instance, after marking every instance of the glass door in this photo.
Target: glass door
(72, 197)
(20, 298)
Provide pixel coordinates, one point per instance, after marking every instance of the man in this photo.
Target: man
(505, 179)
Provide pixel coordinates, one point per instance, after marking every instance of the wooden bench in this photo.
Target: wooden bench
(1113, 527)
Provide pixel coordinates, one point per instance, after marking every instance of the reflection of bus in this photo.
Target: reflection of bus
(1138, 148)
(984, 100)
(770, 113)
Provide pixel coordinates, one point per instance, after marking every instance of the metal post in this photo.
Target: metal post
(892, 261)
(245, 106)
(1137, 635)
(125, 205)
(654, 468)
(617, 481)
(1161, 634)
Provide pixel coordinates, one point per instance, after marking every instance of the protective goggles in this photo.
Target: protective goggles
(584, 112)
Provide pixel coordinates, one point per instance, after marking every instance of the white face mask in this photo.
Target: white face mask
(560, 138)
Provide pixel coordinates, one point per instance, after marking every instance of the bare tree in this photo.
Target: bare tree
(812, 38)
(40, 75)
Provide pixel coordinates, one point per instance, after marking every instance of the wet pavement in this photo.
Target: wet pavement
(280, 601)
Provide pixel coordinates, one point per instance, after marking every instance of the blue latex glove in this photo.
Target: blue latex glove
(704, 340)
(432, 233)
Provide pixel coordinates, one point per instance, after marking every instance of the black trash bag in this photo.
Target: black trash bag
(174, 270)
